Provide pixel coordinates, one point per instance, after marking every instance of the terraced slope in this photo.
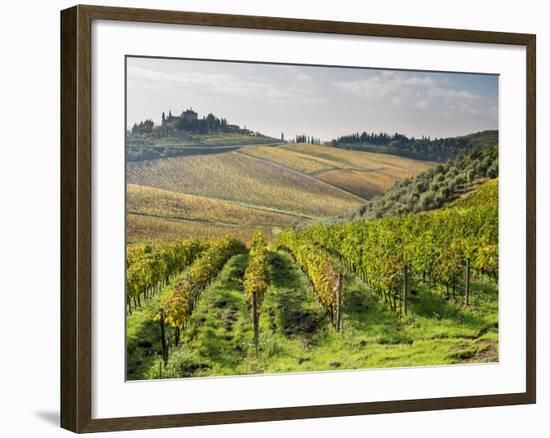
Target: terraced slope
(244, 180)
(157, 214)
(148, 201)
(239, 190)
(362, 173)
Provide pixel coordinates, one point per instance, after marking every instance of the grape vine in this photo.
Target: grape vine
(432, 245)
(317, 264)
(256, 280)
(179, 305)
(148, 268)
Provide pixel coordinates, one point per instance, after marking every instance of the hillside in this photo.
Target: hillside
(361, 173)
(211, 195)
(157, 214)
(485, 194)
(440, 150)
(431, 189)
(250, 182)
(295, 330)
(150, 147)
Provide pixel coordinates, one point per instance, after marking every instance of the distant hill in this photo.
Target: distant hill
(151, 148)
(431, 189)
(187, 134)
(440, 150)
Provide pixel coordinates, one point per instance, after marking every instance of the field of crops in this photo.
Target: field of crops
(412, 290)
(155, 229)
(210, 195)
(157, 214)
(245, 180)
(374, 162)
(149, 201)
(362, 173)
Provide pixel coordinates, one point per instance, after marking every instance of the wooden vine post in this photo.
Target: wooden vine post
(405, 288)
(164, 347)
(467, 283)
(339, 304)
(255, 323)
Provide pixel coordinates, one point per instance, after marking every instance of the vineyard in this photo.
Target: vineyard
(436, 246)
(245, 180)
(157, 214)
(414, 289)
(235, 190)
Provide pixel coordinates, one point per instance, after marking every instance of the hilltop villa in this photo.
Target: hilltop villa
(171, 121)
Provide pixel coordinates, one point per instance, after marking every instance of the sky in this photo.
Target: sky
(324, 102)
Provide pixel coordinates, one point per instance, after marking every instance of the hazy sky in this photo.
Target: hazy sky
(320, 101)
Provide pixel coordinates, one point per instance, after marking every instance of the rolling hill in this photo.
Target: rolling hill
(432, 188)
(157, 214)
(361, 173)
(269, 187)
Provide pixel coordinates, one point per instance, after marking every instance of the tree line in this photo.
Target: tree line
(424, 148)
(308, 139)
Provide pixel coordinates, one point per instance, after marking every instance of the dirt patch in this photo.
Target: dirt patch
(219, 303)
(295, 319)
(480, 352)
(189, 370)
(487, 352)
(228, 318)
(301, 321)
(464, 354)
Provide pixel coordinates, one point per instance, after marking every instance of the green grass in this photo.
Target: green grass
(295, 333)
(140, 328)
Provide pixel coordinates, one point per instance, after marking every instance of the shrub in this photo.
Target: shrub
(427, 200)
(492, 172)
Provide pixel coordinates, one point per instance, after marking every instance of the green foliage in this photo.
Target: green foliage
(179, 305)
(177, 135)
(145, 127)
(317, 265)
(297, 338)
(256, 276)
(302, 138)
(486, 194)
(182, 363)
(146, 266)
(434, 243)
(431, 189)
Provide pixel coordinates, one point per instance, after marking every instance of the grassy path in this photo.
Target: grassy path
(219, 338)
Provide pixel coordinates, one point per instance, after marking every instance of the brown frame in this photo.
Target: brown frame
(76, 173)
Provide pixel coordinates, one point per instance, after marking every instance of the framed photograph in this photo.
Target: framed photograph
(270, 218)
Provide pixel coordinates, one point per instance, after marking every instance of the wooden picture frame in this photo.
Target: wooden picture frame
(76, 217)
